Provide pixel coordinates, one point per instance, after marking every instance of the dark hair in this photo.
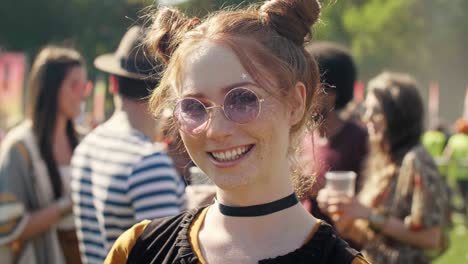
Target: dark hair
(337, 70)
(48, 71)
(269, 42)
(402, 106)
(135, 88)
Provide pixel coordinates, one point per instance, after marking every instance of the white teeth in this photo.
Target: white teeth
(242, 150)
(230, 154)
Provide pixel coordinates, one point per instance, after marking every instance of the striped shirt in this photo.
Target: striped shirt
(118, 179)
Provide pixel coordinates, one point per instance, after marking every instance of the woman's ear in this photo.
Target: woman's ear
(297, 103)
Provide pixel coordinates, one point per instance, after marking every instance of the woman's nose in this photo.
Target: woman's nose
(219, 126)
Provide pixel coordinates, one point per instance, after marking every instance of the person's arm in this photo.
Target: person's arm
(155, 188)
(15, 171)
(13, 219)
(422, 228)
(41, 220)
(428, 238)
(350, 209)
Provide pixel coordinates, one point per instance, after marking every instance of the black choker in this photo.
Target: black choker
(260, 209)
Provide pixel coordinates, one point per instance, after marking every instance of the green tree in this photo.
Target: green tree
(92, 26)
(426, 38)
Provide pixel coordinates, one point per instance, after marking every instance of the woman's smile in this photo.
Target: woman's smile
(231, 156)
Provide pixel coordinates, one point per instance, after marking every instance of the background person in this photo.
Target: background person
(337, 144)
(120, 176)
(403, 208)
(35, 157)
(456, 153)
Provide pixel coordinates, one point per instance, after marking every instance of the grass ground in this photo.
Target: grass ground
(457, 253)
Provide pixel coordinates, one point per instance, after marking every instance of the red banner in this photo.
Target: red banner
(359, 88)
(12, 69)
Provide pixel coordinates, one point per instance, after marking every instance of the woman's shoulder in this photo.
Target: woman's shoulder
(17, 134)
(419, 167)
(325, 246)
(418, 158)
(124, 244)
(13, 147)
(342, 252)
(360, 260)
(158, 235)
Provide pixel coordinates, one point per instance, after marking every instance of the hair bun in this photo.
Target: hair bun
(291, 18)
(166, 32)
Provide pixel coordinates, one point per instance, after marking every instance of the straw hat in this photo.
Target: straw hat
(130, 59)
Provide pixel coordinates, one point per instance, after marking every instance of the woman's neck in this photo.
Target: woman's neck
(264, 190)
(296, 212)
(255, 237)
(138, 116)
(229, 234)
(248, 197)
(258, 193)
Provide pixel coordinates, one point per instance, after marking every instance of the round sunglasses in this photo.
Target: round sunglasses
(241, 105)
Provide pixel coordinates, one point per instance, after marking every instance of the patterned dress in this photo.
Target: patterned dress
(418, 196)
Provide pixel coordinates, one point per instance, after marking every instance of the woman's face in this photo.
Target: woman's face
(374, 118)
(231, 154)
(72, 92)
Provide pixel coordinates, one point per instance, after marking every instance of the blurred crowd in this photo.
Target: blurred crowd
(67, 193)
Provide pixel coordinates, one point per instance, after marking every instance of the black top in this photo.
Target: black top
(166, 241)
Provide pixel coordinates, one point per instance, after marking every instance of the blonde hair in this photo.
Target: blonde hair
(268, 40)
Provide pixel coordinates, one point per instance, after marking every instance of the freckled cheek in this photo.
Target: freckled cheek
(274, 135)
(264, 133)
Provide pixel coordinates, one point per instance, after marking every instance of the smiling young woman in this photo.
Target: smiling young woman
(242, 89)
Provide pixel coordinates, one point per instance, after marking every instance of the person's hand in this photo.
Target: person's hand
(342, 209)
(327, 201)
(347, 207)
(64, 205)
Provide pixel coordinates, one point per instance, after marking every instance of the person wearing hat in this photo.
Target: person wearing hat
(120, 176)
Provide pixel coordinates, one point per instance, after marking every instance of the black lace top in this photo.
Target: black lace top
(166, 240)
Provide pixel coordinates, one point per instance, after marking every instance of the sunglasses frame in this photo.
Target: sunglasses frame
(209, 110)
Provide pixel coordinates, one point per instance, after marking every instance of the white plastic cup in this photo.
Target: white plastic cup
(341, 182)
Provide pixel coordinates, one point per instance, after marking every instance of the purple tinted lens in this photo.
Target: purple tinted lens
(241, 105)
(190, 114)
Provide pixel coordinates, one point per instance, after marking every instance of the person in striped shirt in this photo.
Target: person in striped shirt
(119, 176)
